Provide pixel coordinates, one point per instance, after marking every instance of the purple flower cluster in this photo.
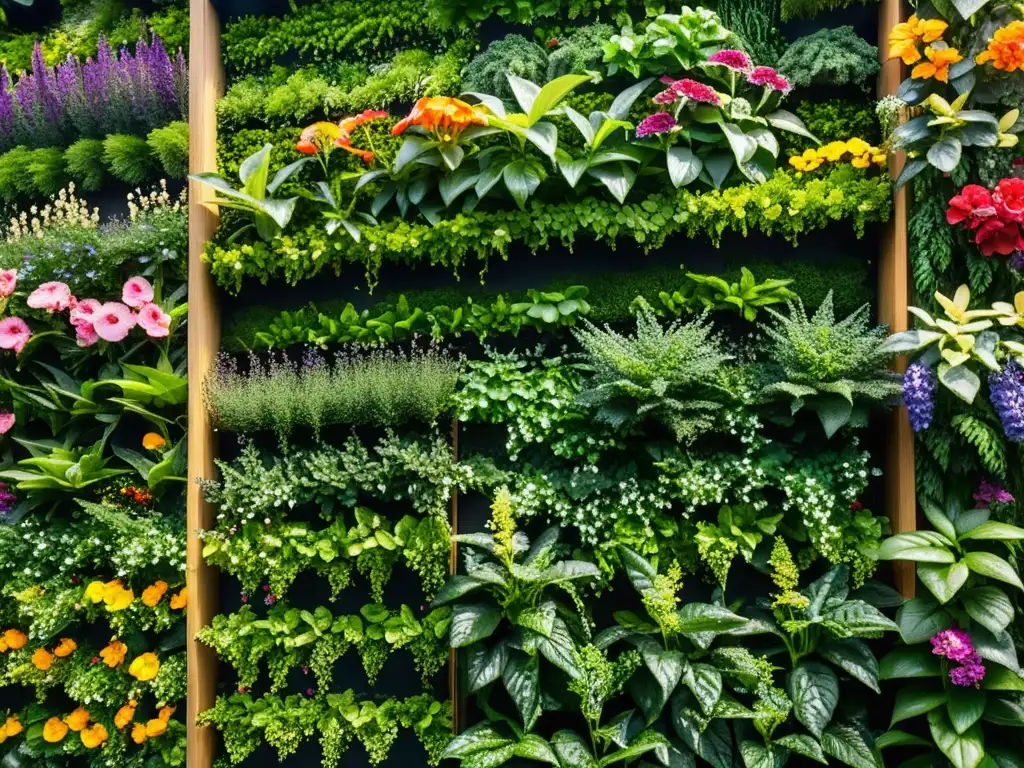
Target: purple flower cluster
(660, 122)
(1017, 261)
(956, 645)
(1006, 391)
(123, 92)
(990, 493)
(919, 395)
(7, 499)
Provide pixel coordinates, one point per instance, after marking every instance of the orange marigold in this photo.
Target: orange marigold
(13, 727)
(116, 596)
(125, 715)
(937, 65)
(154, 594)
(1006, 48)
(94, 736)
(139, 733)
(15, 639)
(179, 600)
(156, 728)
(442, 116)
(54, 730)
(905, 37)
(65, 647)
(114, 653)
(42, 659)
(153, 441)
(78, 719)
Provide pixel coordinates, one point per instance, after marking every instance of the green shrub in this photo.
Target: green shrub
(302, 95)
(234, 146)
(756, 24)
(581, 51)
(46, 168)
(833, 120)
(129, 158)
(488, 71)
(830, 57)
(84, 161)
(15, 178)
(792, 9)
(170, 145)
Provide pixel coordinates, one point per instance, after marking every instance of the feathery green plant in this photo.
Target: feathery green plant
(514, 55)
(170, 145)
(84, 161)
(830, 57)
(129, 158)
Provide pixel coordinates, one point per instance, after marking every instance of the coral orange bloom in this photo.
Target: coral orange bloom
(95, 736)
(443, 116)
(78, 719)
(1006, 48)
(125, 715)
(937, 65)
(349, 124)
(54, 730)
(12, 727)
(144, 667)
(317, 137)
(154, 594)
(156, 728)
(65, 647)
(306, 147)
(114, 654)
(180, 600)
(153, 441)
(15, 639)
(139, 733)
(42, 659)
(166, 713)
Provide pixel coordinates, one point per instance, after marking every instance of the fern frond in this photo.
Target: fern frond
(986, 441)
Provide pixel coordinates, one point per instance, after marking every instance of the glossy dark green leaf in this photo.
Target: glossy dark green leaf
(814, 690)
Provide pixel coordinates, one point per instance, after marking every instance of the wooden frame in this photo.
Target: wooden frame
(205, 86)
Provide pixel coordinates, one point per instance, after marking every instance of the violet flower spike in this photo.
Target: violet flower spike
(919, 395)
(1006, 391)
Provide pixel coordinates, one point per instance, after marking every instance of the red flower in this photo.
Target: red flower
(973, 204)
(306, 147)
(1009, 199)
(553, 42)
(998, 236)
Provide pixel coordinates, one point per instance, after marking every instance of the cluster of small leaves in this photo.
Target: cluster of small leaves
(795, 9)
(833, 120)
(830, 58)
(785, 205)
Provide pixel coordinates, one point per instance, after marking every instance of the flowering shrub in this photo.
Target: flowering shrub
(994, 216)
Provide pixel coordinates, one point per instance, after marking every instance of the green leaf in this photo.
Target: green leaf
(993, 566)
(484, 665)
(993, 531)
(756, 755)
(965, 708)
(960, 380)
(456, 586)
(705, 617)
(814, 690)
(831, 586)
(706, 684)
(551, 94)
(943, 581)
(917, 547)
(471, 623)
(945, 154)
(908, 662)
(939, 519)
(899, 739)
(572, 750)
(478, 738)
(922, 618)
(968, 8)
(787, 121)
(964, 750)
(640, 572)
(559, 649)
(853, 657)
(989, 606)
(522, 681)
(848, 745)
(683, 166)
(521, 180)
(914, 701)
(533, 747)
(804, 745)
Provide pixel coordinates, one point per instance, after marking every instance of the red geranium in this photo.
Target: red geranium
(998, 236)
(1009, 199)
(973, 204)
(996, 216)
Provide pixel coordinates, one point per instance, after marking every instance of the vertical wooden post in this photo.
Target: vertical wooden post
(893, 293)
(205, 86)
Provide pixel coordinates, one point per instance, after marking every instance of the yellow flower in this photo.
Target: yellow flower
(156, 728)
(1006, 48)
(808, 161)
(54, 730)
(78, 719)
(152, 441)
(114, 653)
(65, 647)
(116, 596)
(95, 736)
(12, 726)
(857, 146)
(904, 38)
(144, 667)
(125, 715)
(42, 659)
(15, 639)
(154, 594)
(937, 65)
(833, 150)
(180, 600)
(139, 733)
(94, 591)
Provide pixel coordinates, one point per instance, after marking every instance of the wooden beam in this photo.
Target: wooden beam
(893, 294)
(205, 87)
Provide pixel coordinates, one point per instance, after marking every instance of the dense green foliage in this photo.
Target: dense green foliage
(830, 57)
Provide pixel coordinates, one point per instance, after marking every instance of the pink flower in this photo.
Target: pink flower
(954, 644)
(6, 422)
(156, 322)
(737, 61)
(84, 312)
(8, 280)
(660, 122)
(769, 78)
(86, 334)
(113, 321)
(688, 89)
(14, 333)
(53, 297)
(137, 291)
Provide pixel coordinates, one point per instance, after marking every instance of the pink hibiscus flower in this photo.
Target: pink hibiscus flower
(8, 280)
(6, 422)
(113, 321)
(84, 312)
(53, 297)
(14, 333)
(136, 292)
(86, 335)
(155, 321)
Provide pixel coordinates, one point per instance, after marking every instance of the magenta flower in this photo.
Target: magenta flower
(691, 90)
(6, 422)
(8, 281)
(769, 78)
(954, 644)
(735, 60)
(991, 492)
(14, 334)
(136, 292)
(53, 297)
(969, 674)
(155, 321)
(113, 321)
(660, 122)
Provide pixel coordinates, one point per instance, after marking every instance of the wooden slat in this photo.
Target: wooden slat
(893, 294)
(205, 86)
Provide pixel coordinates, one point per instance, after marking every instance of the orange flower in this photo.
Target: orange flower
(179, 600)
(12, 727)
(78, 719)
(154, 594)
(317, 137)
(443, 116)
(144, 667)
(54, 730)
(306, 147)
(95, 736)
(156, 728)
(3, 645)
(65, 647)
(153, 441)
(42, 659)
(349, 124)
(15, 639)
(116, 596)
(125, 715)
(1006, 48)
(904, 38)
(139, 733)
(114, 653)
(937, 65)
(166, 713)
